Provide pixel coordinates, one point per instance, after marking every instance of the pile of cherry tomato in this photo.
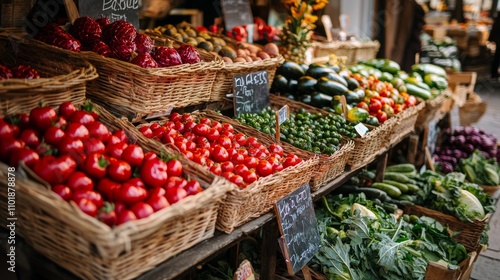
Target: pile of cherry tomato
(240, 159)
(106, 175)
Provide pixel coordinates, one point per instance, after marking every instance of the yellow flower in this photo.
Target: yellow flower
(309, 19)
(289, 3)
(320, 4)
(300, 11)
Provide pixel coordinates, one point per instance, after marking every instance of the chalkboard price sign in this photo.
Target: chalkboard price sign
(113, 9)
(251, 92)
(236, 12)
(297, 223)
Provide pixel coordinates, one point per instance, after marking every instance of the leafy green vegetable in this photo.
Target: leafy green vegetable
(480, 170)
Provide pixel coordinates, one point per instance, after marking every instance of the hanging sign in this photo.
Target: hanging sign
(251, 92)
(113, 9)
(236, 13)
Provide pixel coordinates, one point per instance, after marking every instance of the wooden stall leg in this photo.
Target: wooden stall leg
(381, 164)
(234, 253)
(269, 250)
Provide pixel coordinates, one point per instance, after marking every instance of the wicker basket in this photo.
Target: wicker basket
(405, 123)
(90, 249)
(430, 111)
(63, 78)
(354, 51)
(469, 233)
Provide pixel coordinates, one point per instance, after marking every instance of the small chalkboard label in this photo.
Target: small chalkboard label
(251, 92)
(297, 223)
(236, 12)
(432, 135)
(283, 114)
(361, 129)
(113, 9)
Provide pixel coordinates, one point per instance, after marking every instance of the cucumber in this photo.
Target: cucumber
(412, 188)
(391, 190)
(369, 175)
(401, 202)
(402, 167)
(337, 78)
(427, 68)
(409, 174)
(398, 177)
(418, 91)
(291, 70)
(373, 193)
(306, 85)
(390, 207)
(402, 187)
(331, 88)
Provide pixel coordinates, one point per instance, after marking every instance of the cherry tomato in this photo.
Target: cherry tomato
(93, 145)
(240, 138)
(174, 168)
(264, 168)
(249, 176)
(275, 148)
(42, 117)
(133, 154)
(98, 130)
(238, 159)
(213, 134)
(175, 181)
(124, 217)
(175, 117)
(29, 137)
(174, 194)
(70, 146)
(227, 127)
(227, 166)
(116, 150)
(193, 187)
(79, 181)
(239, 169)
(82, 117)
(156, 192)
(158, 202)
(119, 170)
(217, 125)
(95, 165)
(216, 169)
(206, 121)
(375, 105)
(146, 131)
(63, 191)
(108, 187)
(220, 154)
(26, 155)
(55, 170)
(201, 129)
(91, 195)
(381, 116)
(113, 140)
(9, 145)
(236, 179)
(179, 126)
(149, 156)
(186, 117)
(199, 159)
(154, 173)
(87, 206)
(120, 207)
(251, 162)
(142, 210)
(61, 122)
(6, 129)
(77, 131)
(253, 142)
(53, 135)
(130, 194)
(107, 214)
(363, 105)
(189, 126)
(66, 109)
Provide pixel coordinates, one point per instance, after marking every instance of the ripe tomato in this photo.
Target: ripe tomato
(63, 191)
(199, 159)
(61, 122)
(119, 170)
(53, 135)
(142, 210)
(190, 146)
(186, 117)
(228, 134)
(158, 202)
(193, 187)
(112, 140)
(189, 136)
(227, 166)
(95, 165)
(249, 176)
(79, 181)
(275, 148)
(93, 145)
(253, 142)
(66, 109)
(149, 156)
(98, 130)
(220, 154)
(91, 195)
(238, 158)
(156, 192)
(175, 117)
(239, 169)
(240, 138)
(169, 124)
(363, 105)
(42, 117)
(116, 150)
(6, 129)
(133, 154)
(174, 194)
(154, 173)
(217, 125)
(179, 126)
(202, 152)
(146, 131)
(213, 134)
(264, 168)
(289, 161)
(125, 216)
(130, 194)
(201, 129)
(202, 142)
(70, 146)
(189, 155)
(236, 179)
(107, 214)
(121, 135)
(82, 117)
(26, 155)
(411, 101)
(154, 126)
(120, 207)
(174, 168)
(375, 105)
(29, 137)
(251, 162)
(175, 181)
(381, 116)
(206, 121)
(55, 170)
(108, 187)
(77, 131)
(227, 127)
(189, 126)
(87, 206)
(216, 169)
(9, 145)
(225, 142)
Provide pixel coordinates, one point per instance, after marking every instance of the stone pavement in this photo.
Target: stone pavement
(487, 266)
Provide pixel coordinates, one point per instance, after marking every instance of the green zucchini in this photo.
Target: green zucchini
(337, 78)
(390, 207)
(329, 87)
(306, 85)
(427, 68)
(367, 175)
(390, 66)
(291, 70)
(321, 100)
(398, 177)
(292, 85)
(319, 71)
(352, 83)
(418, 91)
(391, 190)
(280, 84)
(373, 193)
(401, 186)
(353, 97)
(412, 188)
(402, 167)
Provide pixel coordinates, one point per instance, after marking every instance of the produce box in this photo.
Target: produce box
(354, 51)
(406, 121)
(472, 111)
(62, 78)
(431, 110)
(436, 271)
(249, 200)
(468, 233)
(224, 79)
(92, 250)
